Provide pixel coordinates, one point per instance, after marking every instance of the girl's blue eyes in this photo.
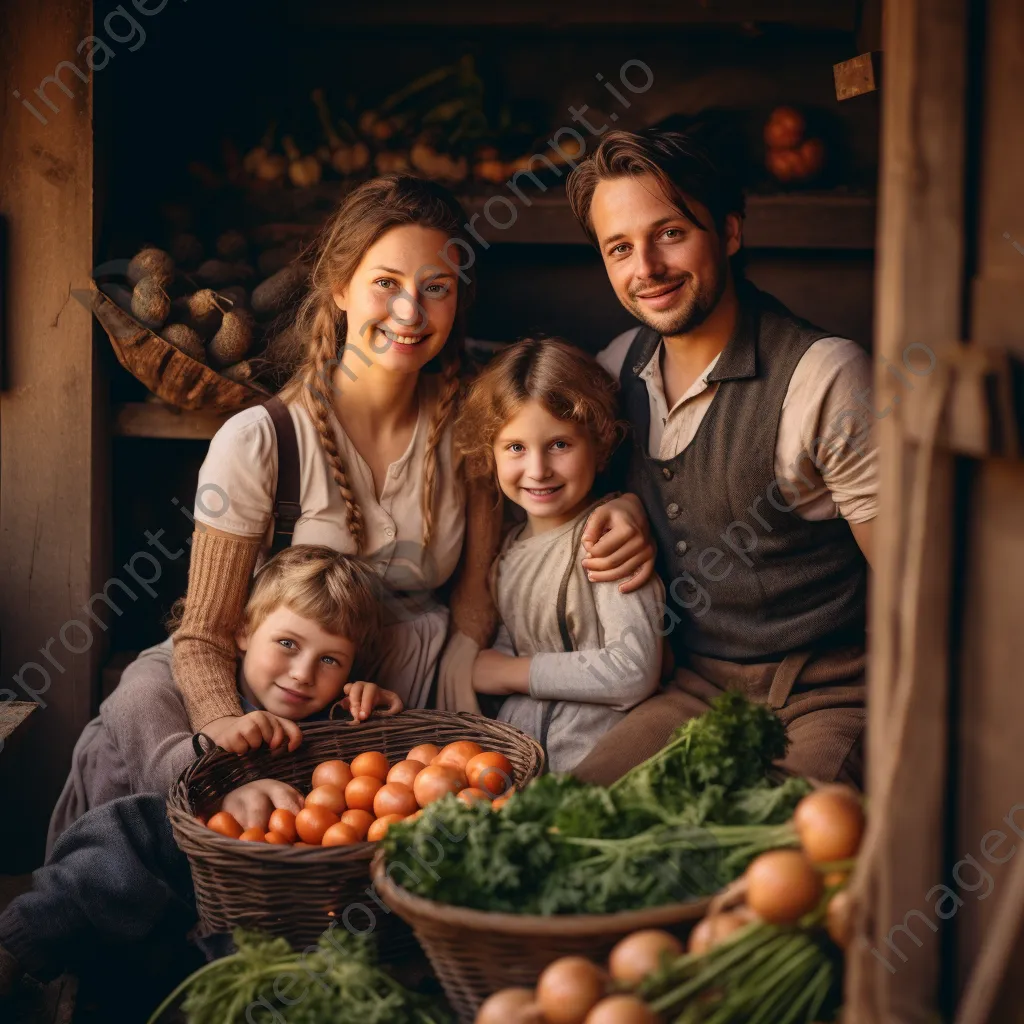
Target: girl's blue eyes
(431, 289)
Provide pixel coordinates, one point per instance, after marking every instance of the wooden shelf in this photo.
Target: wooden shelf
(783, 221)
(151, 419)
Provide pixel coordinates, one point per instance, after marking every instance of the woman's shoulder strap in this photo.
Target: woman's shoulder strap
(287, 498)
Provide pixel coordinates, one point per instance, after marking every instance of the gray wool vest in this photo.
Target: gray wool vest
(748, 579)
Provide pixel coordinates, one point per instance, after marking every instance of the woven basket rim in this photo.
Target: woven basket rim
(198, 836)
(399, 898)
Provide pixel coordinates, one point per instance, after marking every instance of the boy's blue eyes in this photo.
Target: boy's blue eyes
(290, 645)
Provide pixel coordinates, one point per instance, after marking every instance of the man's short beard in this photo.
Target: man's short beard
(699, 307)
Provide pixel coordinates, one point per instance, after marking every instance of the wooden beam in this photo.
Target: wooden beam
(920, 301)
(53, 508)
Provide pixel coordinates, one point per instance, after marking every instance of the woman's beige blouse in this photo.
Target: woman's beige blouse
(237, 483)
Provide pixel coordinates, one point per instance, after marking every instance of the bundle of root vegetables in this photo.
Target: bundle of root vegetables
(775, 958)
(217, 310)
(358, 801)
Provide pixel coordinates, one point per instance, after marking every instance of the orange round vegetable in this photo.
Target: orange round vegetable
(436, 781)
(424, 753)
(509, 1006)
(785, 128)
(621, 1009)
(569, 989)
(491, 771)
(276, 839)
(474, 796)
(405, 771)
(282, 821)
(457, 754)
(839, 918)
(225, 824)
(253, 835)
(715, 929)
(782, 886)
(784, 164)
(332, 773)
(637, 955)
(327, 796)
(360, 821)
(373, 764)
(312, 822)
(830, 824)
(394, 798)
(340, 834)
(379, 829)
(359, 793)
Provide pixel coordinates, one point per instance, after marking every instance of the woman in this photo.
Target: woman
(389, 292)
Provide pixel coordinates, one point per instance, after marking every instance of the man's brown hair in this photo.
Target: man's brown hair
(682, 166)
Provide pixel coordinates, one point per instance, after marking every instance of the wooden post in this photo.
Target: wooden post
(52, 421)
(919, 302)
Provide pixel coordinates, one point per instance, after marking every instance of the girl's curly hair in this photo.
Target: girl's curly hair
(568, 382)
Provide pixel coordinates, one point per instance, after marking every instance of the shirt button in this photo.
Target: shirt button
(666, 472)
(389, 532)
(672, 510)
(681, 547)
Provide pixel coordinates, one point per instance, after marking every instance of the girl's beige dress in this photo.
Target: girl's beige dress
(236, 489)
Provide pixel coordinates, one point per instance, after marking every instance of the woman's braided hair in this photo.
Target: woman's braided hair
(367, 214)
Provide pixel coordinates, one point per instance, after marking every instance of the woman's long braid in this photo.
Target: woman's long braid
(325, 347)
(442, 416)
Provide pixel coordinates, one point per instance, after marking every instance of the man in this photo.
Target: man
(751, 453)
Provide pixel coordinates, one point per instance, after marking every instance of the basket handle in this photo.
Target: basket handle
(197, 745)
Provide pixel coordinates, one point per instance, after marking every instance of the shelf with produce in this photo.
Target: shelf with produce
(784, 220)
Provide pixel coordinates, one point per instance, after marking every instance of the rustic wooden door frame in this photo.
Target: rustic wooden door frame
(53, 416)
(919, 307)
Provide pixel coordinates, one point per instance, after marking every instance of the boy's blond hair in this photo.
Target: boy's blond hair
(340, 593)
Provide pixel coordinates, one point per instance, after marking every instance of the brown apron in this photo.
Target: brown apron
(819, 697)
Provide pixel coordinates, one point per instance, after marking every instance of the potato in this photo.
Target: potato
(187, 250)
(185, 338)
(153, 263)
(219, 272)
(150, 303)
(233, 340)
(270, 297)
(232, 246)
(204, 311)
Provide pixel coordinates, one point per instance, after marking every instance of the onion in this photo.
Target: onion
(436, 781)
(509, 1006)
(568, 990)
(621, 1010)
(782, 886)
(641, 954)
(715, 929)
(839, 919)
(830, 824)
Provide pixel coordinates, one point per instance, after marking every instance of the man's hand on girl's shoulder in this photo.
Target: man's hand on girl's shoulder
(618, 544)
(242, 733)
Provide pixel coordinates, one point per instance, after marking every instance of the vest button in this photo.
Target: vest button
(681, 547)
(672, 510)
(666, 472)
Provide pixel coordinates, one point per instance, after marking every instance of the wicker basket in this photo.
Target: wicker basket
(296, 892)
(475, 953)
(168, 372)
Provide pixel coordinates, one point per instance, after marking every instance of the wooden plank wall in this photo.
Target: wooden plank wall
(52, 504)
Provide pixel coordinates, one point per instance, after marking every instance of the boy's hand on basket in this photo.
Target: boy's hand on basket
(252, 804)
(361, 698)
(243, 733)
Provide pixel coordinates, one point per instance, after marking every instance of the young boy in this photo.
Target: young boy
(114, 873)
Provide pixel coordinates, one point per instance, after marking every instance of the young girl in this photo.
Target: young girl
(541, 418)
(313, 616)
